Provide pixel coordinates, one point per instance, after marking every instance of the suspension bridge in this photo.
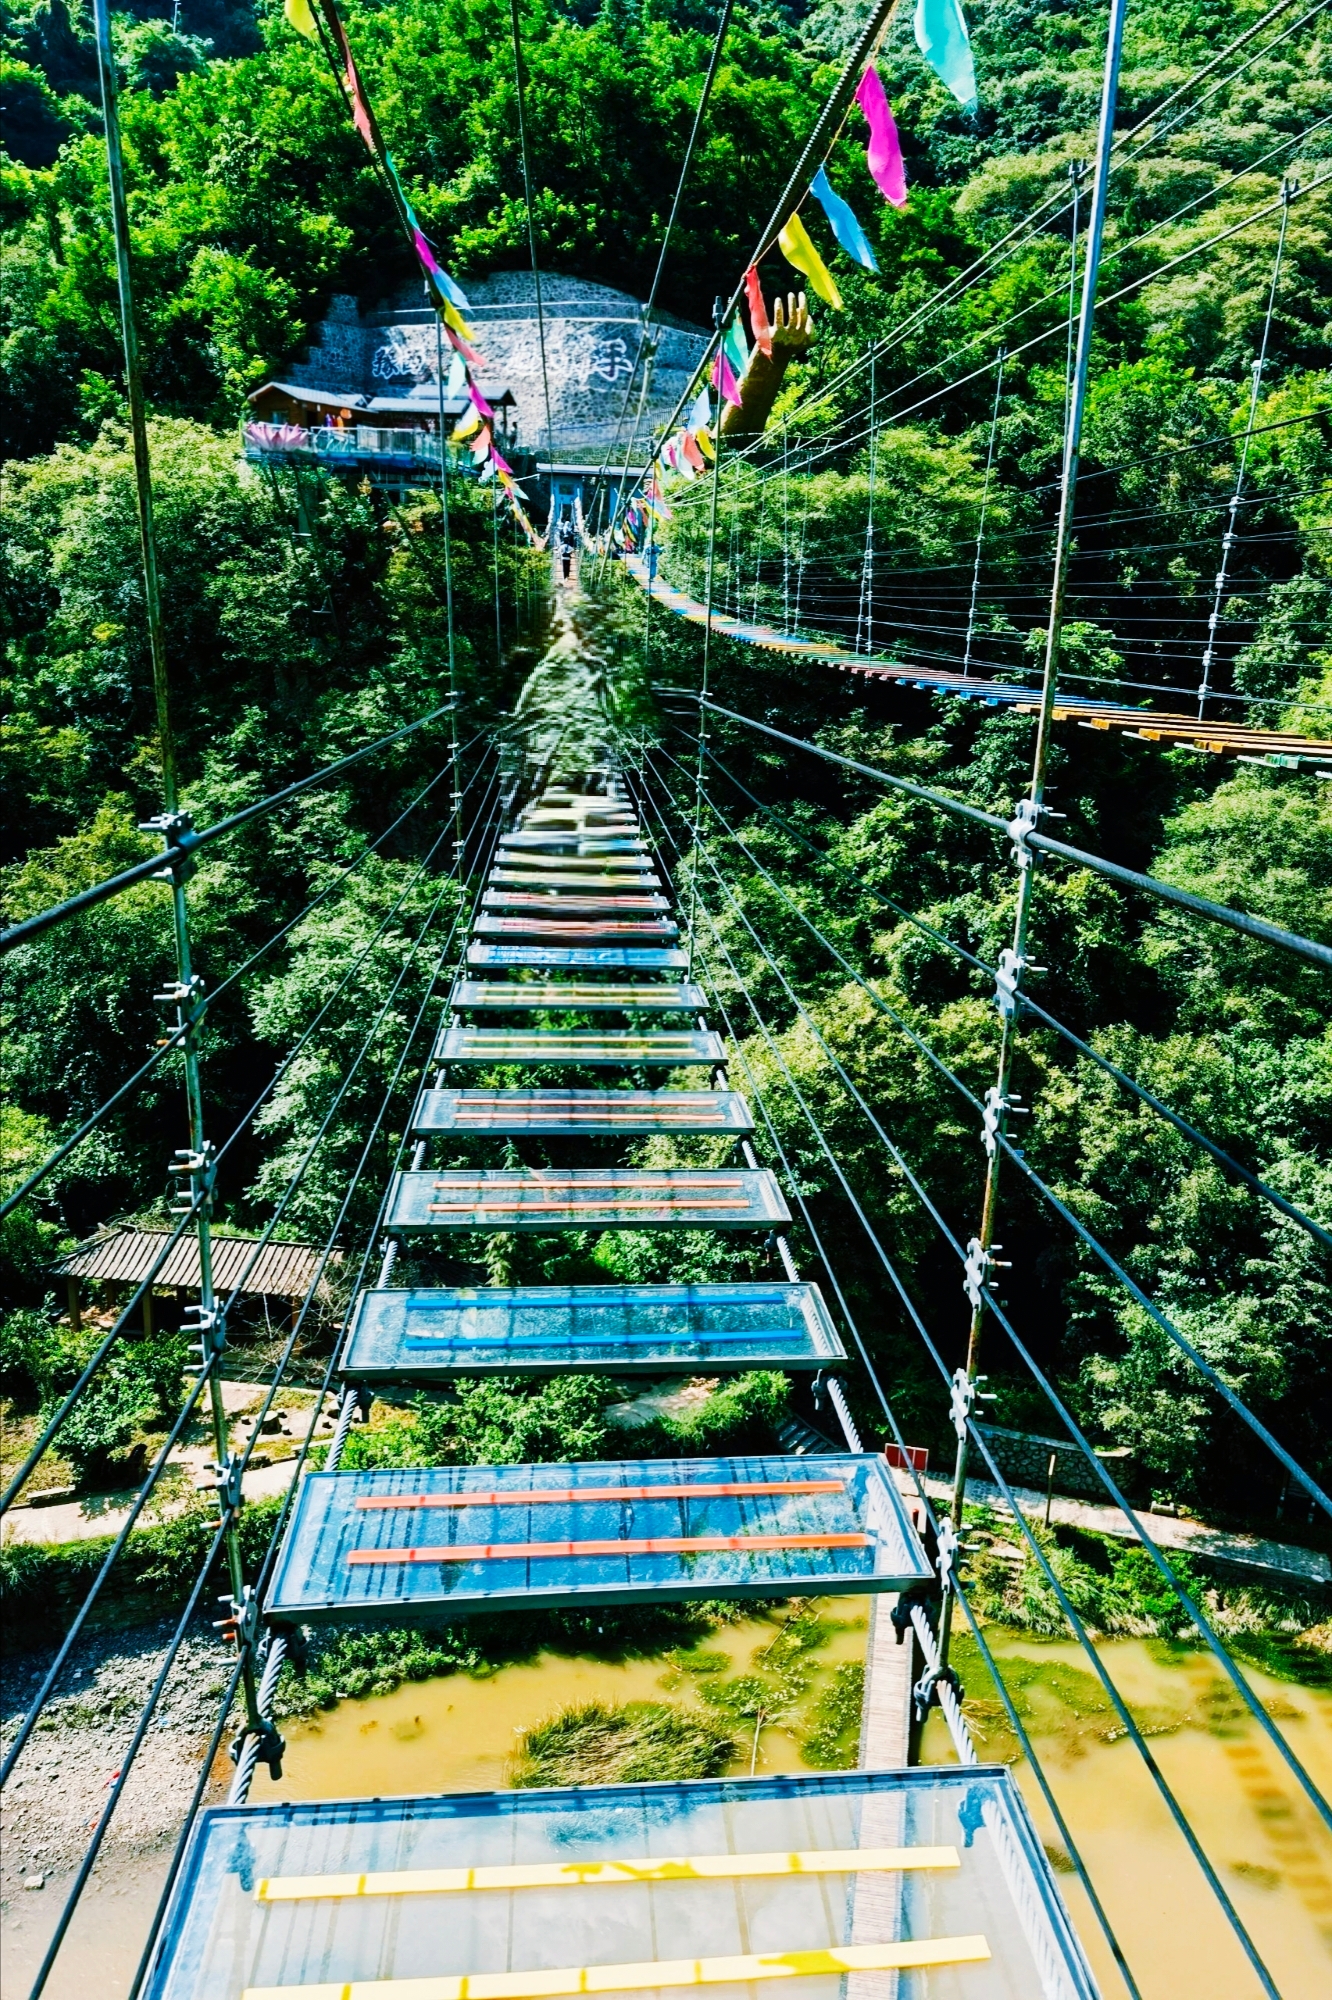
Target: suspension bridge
(603, 1046)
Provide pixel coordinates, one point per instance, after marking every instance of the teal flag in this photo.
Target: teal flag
(941, 37)
(842, 220)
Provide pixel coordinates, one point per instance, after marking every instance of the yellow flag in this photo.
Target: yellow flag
(703, 439)
(797, 249)
(465, 426)
(453, 318)
(299, 15)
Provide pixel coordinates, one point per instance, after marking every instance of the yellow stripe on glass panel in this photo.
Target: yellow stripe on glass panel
(587, 1874)
(649, 1976)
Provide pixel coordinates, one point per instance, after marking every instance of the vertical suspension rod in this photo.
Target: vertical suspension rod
(196, 1166)
(980, 1259)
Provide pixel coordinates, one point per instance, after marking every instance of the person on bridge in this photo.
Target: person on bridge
(566, 542)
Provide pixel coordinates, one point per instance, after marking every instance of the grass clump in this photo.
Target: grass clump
(833, 1743)
(599, 1743)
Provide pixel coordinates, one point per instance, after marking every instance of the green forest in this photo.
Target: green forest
(299, 628)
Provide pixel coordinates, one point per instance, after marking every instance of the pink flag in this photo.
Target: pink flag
(501, 465)
(758, 312)
(479, 403)
(885, 151)
(463, 347)
(723, 378)
(360, 113)
(426, 254)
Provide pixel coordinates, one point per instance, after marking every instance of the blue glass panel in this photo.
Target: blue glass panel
(578, 930)
(616, 1329)
(663, 1048)
(581, 958)
(350, 1558)
(563, 1112)
(597, 878)
(586, 1198)
(529, 995)
(222, 1936)
(581, 902)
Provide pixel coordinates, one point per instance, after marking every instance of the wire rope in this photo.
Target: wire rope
(1152, 885)
(1187, 1347)
(516, 29)
(173, 856)
(1077, 1627)
(1185, 1602)
(210, 1363)
(1223, 1159)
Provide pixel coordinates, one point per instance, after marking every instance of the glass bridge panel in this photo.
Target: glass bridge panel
(579, 930)
(892, 1867)
(449, 1541)
(596, 1112)
(575, 902)
(586, 1198)
(664, 1048)
(618, 1330)
(581, 958)
(531, 996)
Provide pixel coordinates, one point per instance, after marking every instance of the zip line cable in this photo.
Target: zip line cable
(1259, 1429)
(190, 841)
(1079, 1630)
(1152, 885)
(1185, 1602)
(516, 30)
(1145, 1096)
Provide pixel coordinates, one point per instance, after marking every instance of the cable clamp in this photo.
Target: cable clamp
(962, 1395)
(210, 1333)
(271, 1746)
(997, 1108)
(947, 1557)
(177, 830)
(925, 1694)
(240, 1625)
(181, 993)
(227, 1483)
(1007, 979)
(976, 1273)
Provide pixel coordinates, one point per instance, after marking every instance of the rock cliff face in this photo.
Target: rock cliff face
(592, 338)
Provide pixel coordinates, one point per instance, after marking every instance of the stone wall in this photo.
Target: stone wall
(592, 336)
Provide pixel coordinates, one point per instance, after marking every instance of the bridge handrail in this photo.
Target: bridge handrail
(1151, 885)
(188, 842)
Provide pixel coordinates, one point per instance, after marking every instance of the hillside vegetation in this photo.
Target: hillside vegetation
(292, 640)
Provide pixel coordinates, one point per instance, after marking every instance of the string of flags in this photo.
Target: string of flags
(476, 426)
(941, 35)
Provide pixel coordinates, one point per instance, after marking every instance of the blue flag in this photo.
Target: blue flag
(941, 37)
(842, 220)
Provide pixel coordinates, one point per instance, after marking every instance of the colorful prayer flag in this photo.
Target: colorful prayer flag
(479, 403)
(758, 312)
(300, 18)
(842, 221)
(703, 440)
(723, 378)
(735, 346)
(884, 154)
(466, 425)
(794, 244)
(701, 413)
(689, 446)
(941, 37)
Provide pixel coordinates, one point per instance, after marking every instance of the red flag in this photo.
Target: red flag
(758, 312)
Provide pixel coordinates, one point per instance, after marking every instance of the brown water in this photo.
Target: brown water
(1272, 1853)
(459, 1734)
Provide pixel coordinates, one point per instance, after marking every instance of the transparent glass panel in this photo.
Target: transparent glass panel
(581, 958)
(498, 996)
(586, 1198)
(574, 930)
(561, 1112)
(663, 1046)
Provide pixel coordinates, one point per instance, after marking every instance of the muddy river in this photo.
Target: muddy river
(1270, 1852)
